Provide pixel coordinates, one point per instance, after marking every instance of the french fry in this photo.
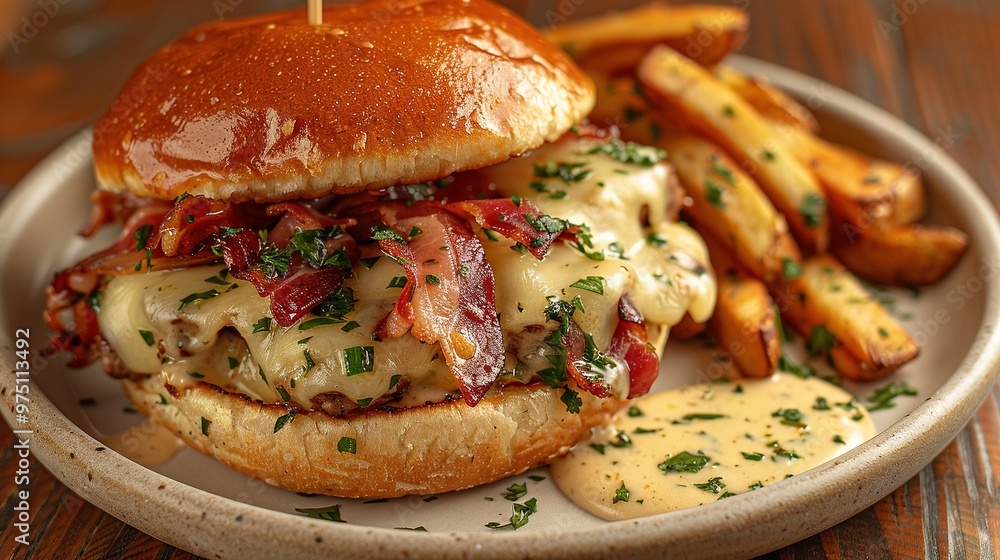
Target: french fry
(727, 204)
(615, 44)
(711, 108)
(772, 103)
(744, 322)
(827, 305)
(859, 188)
(907, 255)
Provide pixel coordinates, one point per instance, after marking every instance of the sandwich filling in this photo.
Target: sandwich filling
(551, 267)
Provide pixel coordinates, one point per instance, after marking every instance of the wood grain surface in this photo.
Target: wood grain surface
(933, 63)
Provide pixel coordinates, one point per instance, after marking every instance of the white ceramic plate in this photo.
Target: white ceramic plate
(198, 505)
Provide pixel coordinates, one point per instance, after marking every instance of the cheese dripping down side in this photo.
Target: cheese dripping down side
(695, 445)
(199, 324)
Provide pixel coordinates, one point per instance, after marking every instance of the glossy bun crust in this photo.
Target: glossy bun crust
(422, 450)
(384, 92)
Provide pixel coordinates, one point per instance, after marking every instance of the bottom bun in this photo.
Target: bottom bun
(378, 454)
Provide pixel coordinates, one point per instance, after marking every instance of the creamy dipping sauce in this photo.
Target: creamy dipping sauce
(148, 444)
(699, 444)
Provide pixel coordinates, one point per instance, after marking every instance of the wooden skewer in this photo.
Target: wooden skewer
(315, 12)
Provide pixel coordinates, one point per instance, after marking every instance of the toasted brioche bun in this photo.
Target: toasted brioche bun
(386, 92)
(421, 450)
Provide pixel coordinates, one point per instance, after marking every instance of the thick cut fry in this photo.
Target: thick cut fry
(769, 101)
(744, 322)
(861, 189)
(828, 306)
(728, 204)
(711, 108)
(614, 44)
(909, 255)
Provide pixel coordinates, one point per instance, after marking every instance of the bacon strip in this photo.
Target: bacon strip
(521, 221)
(293, 295)
(574, 342)
(631, 345)
(449, 295)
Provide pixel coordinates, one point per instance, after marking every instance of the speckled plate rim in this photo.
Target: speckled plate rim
(742, 526)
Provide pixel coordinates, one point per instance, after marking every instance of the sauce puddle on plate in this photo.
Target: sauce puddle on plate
(148, 444)
(699, 444)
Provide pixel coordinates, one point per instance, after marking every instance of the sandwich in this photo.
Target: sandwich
(379, 256)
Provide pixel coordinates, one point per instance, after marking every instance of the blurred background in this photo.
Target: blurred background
(63, 61)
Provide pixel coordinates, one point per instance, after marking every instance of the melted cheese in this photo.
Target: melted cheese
(749, 432)
(213, 339)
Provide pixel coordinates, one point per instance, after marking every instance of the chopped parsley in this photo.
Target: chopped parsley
(656, 239)
(812, 209)
(616, 250)
(566, 172)
(780, 451)
(621, 494)
(516, 491)
(519, 517)
(789, 416)
(191, 298)
(219, 279)
(702, 416)
(147, 337)
(790, 269)
(820, 341)
(282, 420)
(329, 513)
(262, 325)
(205, 423)
(337, 305)
(316, 322)
(593, 284)
(801, 370)
(623, 440)
(572, 400)
(141, 236)
(274, 262)
(722, 171)
(713, 193)
(714, 485)
(359, 359)
(884, 397)
(684, 462)
(347, 445)
(752, 456)
(397, 282)
(309, 362)
(630, 152)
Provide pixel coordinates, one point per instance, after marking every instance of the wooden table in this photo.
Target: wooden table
(934, 63)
